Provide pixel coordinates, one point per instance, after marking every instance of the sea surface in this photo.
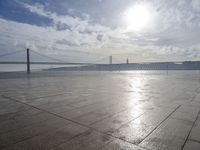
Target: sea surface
(18, 70)
(22, 67)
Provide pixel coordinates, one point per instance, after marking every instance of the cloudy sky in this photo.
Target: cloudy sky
(91, 30)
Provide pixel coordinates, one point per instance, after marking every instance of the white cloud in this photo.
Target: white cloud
(42, 39)
(74, 23)
(175, 35)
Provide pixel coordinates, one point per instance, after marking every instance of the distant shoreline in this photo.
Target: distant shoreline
(194, 65)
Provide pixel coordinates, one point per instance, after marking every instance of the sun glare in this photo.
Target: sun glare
(137, 17)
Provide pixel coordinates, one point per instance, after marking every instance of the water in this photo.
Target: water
(22, 67)
(36, 71)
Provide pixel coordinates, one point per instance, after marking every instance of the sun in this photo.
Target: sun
(137, 17)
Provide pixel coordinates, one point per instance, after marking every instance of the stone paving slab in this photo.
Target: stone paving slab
(192, 145)
(26, 113)
(170, 135)
(108, 125)
(89, 140)
(136, 130)
(195, 133)
(31, 131)
(50, 139)
(121, 145)
(109, 111)
(20, 122)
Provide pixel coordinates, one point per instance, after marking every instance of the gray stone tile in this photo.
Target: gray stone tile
(90, 118)
(50, 139)
(195, 133)
(60, 109)
(31, 131)
(121, 145)
(192, 145)
(170, 135)
(2, 100)
(188, 116)
(89, 140)
(112, 123)
(20, 122)
(187, 108)
(25, 113)
(139, 128)
(12, 107)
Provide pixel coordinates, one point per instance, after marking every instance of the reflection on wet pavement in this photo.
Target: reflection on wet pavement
(112, 111)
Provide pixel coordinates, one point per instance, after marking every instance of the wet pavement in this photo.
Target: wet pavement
(100, 111)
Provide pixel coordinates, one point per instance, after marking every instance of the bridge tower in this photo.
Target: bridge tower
(28, 61)
(110, 60)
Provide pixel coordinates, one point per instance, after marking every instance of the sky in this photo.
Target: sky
(92, 30)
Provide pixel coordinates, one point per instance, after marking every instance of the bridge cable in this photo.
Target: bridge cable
(11, 53)
(51, 58)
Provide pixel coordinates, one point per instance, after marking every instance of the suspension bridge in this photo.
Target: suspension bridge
(51, 60)
(28, 51)
(97, 64)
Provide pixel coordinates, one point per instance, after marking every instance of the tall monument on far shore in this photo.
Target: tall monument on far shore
(110, 60)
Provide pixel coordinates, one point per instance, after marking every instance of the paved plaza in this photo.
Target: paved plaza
(100, 111)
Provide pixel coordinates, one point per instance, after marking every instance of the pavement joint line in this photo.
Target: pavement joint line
(160, 124)
(120, 126)
(70, 104)
(122, 138)
(17, 113)
(109, 116)
(192, 99)
(190, 131)
(195, 95)
(193, 140)
(69, 120)
(197, 90)
(124, 141)
(67, 140)
(45, 96)
(100, 146)
(127, 122)
(75, 108)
